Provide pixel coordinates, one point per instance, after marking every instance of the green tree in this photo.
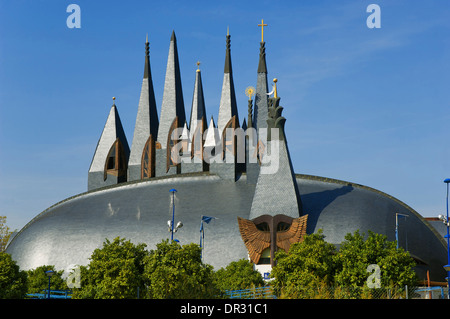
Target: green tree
(306, 266)
(357, 253)
(114, 271)
(238, 275)
(13, 281)
(173, 271)
(38, 279)
(5, 233)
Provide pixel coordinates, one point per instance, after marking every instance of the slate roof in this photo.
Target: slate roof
(172, 103)
(112, 130)
(69, 231)
(146, 120)
(228, 106)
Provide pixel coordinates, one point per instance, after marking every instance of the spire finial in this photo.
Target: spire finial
(227, 68)
(250, 92)
(228, 30)
(262, 25)
(275, 95)
(146, 38)
(198, 66)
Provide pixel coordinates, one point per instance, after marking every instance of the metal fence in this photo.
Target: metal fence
(432, 293)
(327, 292)
(252, 293)
(321, 292)
(54, 294)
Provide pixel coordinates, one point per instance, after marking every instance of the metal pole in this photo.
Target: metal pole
(173, 213)
(448, 245)
(48, 297)
(173, 190)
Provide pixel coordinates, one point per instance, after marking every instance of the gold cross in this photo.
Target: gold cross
(262, 25)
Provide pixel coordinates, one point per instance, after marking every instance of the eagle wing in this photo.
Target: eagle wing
(294, 234)
(254, 239)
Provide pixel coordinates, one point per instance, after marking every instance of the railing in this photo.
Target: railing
(432, 292)
(252, 293)
(54, 294)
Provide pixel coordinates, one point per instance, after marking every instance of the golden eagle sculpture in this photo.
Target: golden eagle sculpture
(265, 231)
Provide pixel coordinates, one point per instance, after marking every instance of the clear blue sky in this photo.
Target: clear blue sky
(369, 106)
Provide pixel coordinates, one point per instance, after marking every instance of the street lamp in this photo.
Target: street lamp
(171, 223)
(447, 223)
(49, 273)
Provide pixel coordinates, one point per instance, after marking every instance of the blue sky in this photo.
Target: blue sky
(369, 106)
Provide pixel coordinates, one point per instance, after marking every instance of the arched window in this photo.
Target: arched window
(116, 164)
(229, 140)
(283, 226)
(148, 159)
(173, 155)
(265, 257)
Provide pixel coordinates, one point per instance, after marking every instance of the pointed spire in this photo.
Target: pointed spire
(227, 68)
(147, 122)
(228, 106)
(261, 106)
(276, 191)
(198, 110)
(212, 135)
(147, 59)
(262, 68)
(172, 103)
(112, 131)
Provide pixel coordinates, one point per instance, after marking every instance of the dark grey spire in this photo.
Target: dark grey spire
(228, 106)
(262, 68)
(198, 110)
(250, 113)
(172, 103)
(261, 106)
(227, 68)
(147, 122)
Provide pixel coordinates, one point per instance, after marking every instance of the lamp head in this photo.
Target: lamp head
(173, 190)
(49, 273)
(447, 180)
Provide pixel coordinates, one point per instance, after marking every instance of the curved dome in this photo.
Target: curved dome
(67, 233)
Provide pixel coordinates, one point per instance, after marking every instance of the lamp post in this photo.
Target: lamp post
(49, 273)
(447, 222)
(171, 223)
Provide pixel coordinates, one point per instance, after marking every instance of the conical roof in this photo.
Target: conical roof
(147, 122)
(112, 131)
(198, 110)
(261, 107)
(228, 106)
(276, 189)
(172, 103)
